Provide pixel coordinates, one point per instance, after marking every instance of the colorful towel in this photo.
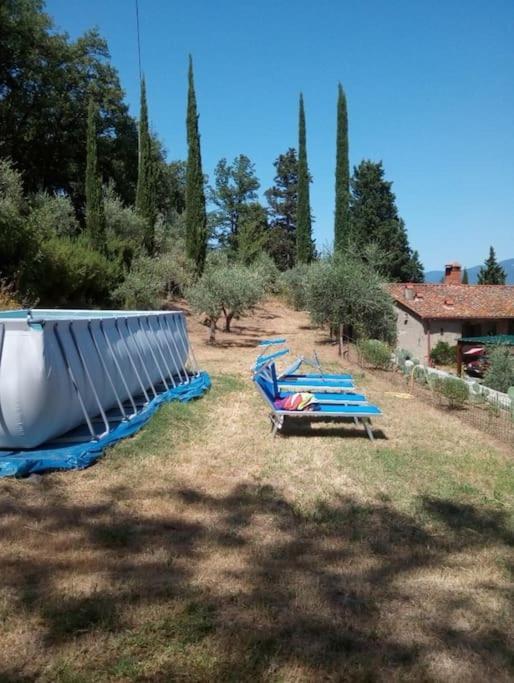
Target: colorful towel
(298, 401)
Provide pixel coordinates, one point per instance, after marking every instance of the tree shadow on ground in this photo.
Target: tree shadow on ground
(176, 583)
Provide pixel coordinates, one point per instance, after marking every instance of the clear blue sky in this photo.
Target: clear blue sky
(430, 88)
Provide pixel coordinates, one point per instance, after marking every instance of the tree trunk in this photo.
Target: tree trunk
(340, 340)
(228, 320)
(212, 331)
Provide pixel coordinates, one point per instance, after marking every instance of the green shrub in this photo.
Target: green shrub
(267, 272)
(443, 353)
(143, 286)
(420, 375)
(500, 372)
(69, 273)
(293, 286)
(19, 243)
(375, 353)
(121, 221)
(454, 390)
(52, 215)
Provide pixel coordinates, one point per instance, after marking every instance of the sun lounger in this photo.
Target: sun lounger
(292, 382)
(295, 384)
(347, 398)
(291, 372)
(325, 411)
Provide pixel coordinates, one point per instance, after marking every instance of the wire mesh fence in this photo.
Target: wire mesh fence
(485, 414)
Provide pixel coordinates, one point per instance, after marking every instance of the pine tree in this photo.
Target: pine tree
(196, 216)
(95, 218)
(235, 187)
(491, 273)
(283, 203)
(146, 176)
(414, 270)
(374, 220)
(465, 277)
(304, 245)
(342, 207)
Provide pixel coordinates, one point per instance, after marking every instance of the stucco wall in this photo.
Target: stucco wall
(445, 330)
(411, 334)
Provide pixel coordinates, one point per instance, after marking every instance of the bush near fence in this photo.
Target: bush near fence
(454, 390)
(375, 353)
(483, 408)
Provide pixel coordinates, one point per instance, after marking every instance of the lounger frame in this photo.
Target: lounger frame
(277, 417)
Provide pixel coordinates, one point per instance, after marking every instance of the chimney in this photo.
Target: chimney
(409, 292)
(452, 274)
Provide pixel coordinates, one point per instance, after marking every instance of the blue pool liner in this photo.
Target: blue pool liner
(77, 456)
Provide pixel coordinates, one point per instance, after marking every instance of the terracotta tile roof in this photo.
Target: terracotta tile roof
(455, 301)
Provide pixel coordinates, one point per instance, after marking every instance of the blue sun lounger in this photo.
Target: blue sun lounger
(291, 372)
(269, 375)
(324, 411)
(321, 383)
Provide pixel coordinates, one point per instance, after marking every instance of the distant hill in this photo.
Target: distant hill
(508, 267)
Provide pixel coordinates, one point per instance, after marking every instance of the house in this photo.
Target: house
(428, 313)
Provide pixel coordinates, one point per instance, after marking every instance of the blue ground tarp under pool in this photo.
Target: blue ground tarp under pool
(77, 456)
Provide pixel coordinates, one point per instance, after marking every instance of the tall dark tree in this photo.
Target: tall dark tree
(283, 204)
(491, 273)
(465, 277)
(374, 220)
(304, 244)
(196, 216)
(95, 217)
(342, 207)
(146, 204)
(45, 83)
(235, 186)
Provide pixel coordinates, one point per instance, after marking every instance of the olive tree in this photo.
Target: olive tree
(227, 290)
(342, 291)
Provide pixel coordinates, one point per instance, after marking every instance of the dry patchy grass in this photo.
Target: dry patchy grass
(204, 550)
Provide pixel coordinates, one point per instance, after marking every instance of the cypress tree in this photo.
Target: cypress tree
(491, 273)
(146, 191)
(465, 277)
(304, 246)
(342, 207)
(95, 218)
(196, 216)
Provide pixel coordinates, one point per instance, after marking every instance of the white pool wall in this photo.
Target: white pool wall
(38, 398)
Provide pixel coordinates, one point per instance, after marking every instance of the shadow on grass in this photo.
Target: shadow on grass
(319, 592)
(241, 337)
(311, 428)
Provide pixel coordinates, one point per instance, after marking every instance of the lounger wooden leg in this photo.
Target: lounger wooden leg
(367, 427)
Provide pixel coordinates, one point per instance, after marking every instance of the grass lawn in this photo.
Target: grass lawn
(204, 550)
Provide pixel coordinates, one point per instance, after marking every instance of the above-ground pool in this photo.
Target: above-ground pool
(59, 369)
